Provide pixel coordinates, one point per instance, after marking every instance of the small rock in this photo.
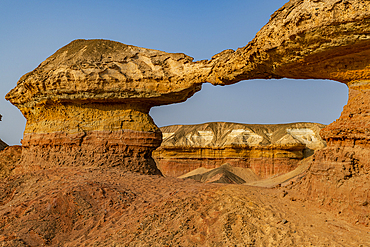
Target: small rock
(282, 195)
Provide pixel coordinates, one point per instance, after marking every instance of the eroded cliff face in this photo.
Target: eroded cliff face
(267, 149)
(88, 104)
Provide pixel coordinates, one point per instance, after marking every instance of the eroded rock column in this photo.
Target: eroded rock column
(88, 104)
(91, 134)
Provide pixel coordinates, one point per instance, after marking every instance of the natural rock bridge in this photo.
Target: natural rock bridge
(88, 103)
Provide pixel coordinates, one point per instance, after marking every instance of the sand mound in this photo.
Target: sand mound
(198, 171)
(223, 174)
(2, 145)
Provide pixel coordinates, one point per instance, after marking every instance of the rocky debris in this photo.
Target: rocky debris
(268, 150)
(88, 104)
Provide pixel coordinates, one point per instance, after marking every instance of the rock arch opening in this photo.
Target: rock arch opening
(259, 102)
(268, 126)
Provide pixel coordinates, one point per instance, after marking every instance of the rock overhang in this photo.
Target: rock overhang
(304, 39)
(107, 71)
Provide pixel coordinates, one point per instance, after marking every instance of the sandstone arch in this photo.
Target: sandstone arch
(2, 144)
(303, 39)
(337, 178)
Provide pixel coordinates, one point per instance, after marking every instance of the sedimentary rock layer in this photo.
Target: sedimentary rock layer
(266, 149)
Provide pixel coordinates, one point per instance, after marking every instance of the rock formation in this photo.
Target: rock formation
(313, 39)
(88, 104)
(268, 150)
(2, 144)
(225, 174)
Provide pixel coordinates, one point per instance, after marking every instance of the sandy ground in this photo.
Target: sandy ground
(95, 207)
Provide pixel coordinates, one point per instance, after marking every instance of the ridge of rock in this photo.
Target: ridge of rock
(109, 71)
(222, 174)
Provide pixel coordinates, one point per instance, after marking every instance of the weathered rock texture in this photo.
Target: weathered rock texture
(88, 104)
(320, 40)
(306, 39)
(225, 174)
(9, 158)
(84, 206)
(266, 149)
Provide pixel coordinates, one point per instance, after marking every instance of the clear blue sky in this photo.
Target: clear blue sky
(30, 31)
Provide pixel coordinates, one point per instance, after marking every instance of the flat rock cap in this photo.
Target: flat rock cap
(101, 70)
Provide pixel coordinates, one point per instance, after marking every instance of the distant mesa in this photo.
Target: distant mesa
(267, 150)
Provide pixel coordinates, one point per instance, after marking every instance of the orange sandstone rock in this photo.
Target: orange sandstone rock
(88, 104)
